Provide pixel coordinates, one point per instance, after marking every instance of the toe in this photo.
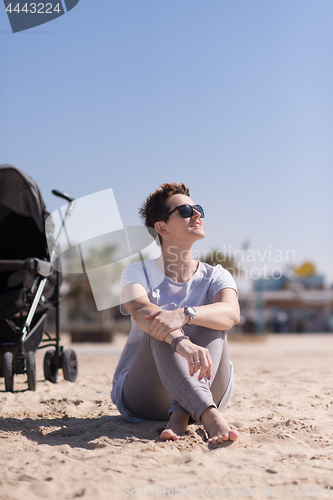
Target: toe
(233, 435)
(221, 438)
(168, 435)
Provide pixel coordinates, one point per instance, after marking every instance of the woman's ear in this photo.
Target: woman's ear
(160, 227)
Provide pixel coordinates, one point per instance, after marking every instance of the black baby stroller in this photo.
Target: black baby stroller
(29, 286)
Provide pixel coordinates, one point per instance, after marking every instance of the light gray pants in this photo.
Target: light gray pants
(159, 382)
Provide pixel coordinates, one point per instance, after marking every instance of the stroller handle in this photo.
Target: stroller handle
(62, 195)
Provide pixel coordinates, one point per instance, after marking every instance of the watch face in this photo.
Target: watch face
(191, 311)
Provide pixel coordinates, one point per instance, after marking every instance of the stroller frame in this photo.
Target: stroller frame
(20, 357)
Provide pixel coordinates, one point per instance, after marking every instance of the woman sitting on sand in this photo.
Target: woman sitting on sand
(175, 363)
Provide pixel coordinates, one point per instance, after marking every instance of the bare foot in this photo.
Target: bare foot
(176, 426)
(216, 427)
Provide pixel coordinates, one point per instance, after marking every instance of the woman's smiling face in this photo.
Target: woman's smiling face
(179, 228)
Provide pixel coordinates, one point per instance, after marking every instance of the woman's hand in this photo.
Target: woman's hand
(198, 358)
(164, 322)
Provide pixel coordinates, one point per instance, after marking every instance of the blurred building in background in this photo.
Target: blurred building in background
(296, 302)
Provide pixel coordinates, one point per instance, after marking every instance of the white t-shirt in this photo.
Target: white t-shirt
(167, 294)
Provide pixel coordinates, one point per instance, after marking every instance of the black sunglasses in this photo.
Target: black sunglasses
(186, 211)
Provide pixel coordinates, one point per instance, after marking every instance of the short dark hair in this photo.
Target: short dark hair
(156, 205)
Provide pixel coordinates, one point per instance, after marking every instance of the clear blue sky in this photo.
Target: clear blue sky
(232, 97)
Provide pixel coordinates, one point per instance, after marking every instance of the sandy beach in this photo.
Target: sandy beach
(67, 440)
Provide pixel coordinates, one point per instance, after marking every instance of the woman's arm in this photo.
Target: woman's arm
(221, 315)
(141, 310)
(166, 330)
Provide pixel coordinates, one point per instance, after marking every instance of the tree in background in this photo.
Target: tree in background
(228, 262)
(77, 293)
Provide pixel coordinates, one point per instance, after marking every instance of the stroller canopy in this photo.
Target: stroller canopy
(20, 194)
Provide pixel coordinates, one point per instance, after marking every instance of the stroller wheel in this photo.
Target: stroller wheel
(50, 369)
(8, 371)
(69, 365)
(31, 370)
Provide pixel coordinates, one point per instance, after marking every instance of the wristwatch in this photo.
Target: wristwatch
(191, 312)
